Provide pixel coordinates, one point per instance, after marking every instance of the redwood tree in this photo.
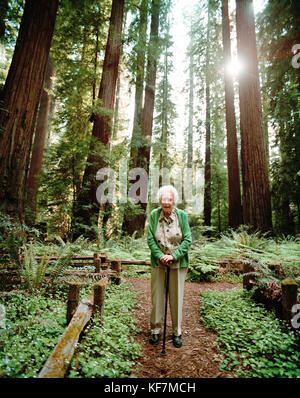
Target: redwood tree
(148, 108)
(21, 96)
(234, 191)
(207, 164)
(191, 107)
(139, 78)
(256, 193)
(87, 209)
(38, 146)
(137, 222)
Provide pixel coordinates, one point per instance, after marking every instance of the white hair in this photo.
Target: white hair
(167, 188)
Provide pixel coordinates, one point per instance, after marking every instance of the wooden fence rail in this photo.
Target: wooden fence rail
(79, 315)
(91, 260)
(60, 358)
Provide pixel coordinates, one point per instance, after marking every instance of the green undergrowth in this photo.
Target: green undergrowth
(33, 323)
(245, 246)
(254, 342)
(127, 248)
(229, 276)
(31, 327)
(107, 348)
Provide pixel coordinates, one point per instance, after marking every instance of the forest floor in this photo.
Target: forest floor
(198, 357)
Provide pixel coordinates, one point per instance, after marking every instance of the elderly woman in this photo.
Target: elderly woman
(169, 239)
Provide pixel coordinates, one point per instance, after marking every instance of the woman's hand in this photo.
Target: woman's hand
(166, 259)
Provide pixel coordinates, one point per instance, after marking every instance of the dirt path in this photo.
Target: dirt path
(198, 356)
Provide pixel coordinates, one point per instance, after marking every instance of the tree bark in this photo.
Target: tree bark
(256, 193)
(191, 112)
(38, 146)
(139, 82)
(21, 95)
(87, 209)
(137, 222)
(207, 165)
(164, 116)
(148, 108)
(234, 191)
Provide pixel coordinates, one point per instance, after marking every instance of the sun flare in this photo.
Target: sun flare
(234, 67)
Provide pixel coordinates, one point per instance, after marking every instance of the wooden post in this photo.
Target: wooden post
(97, 263)
(73, 298)
(99, 294)
(116, 266)
(289, 297)
(103, 257)
(248, 280)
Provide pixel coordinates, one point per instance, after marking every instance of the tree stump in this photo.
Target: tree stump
(289, 297)
(73, 299)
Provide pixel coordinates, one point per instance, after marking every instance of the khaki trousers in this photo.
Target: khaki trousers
(158, 297)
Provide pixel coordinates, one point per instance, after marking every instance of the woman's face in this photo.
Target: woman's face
(167, 202)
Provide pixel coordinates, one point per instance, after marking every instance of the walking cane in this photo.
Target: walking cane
(166, 309)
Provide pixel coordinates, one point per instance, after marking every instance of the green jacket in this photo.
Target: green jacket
(182, 251)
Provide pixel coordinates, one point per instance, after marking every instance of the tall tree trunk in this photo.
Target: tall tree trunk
(87, 209)
(117, 109)
(95, 63)
(256, 193)
(148, 108)
(21, 95)
(234, 192)
(191, 113)
(164, 120)
(137, 223)
(139, 81)
(108, 208)
(265, 105)
(207, 165)
(38, 146)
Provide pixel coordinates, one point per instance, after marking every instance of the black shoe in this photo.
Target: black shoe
(154, 339)
(177, 341)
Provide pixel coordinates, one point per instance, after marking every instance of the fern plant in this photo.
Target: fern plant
(33, 271)
(244, 240)
(64, 258)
